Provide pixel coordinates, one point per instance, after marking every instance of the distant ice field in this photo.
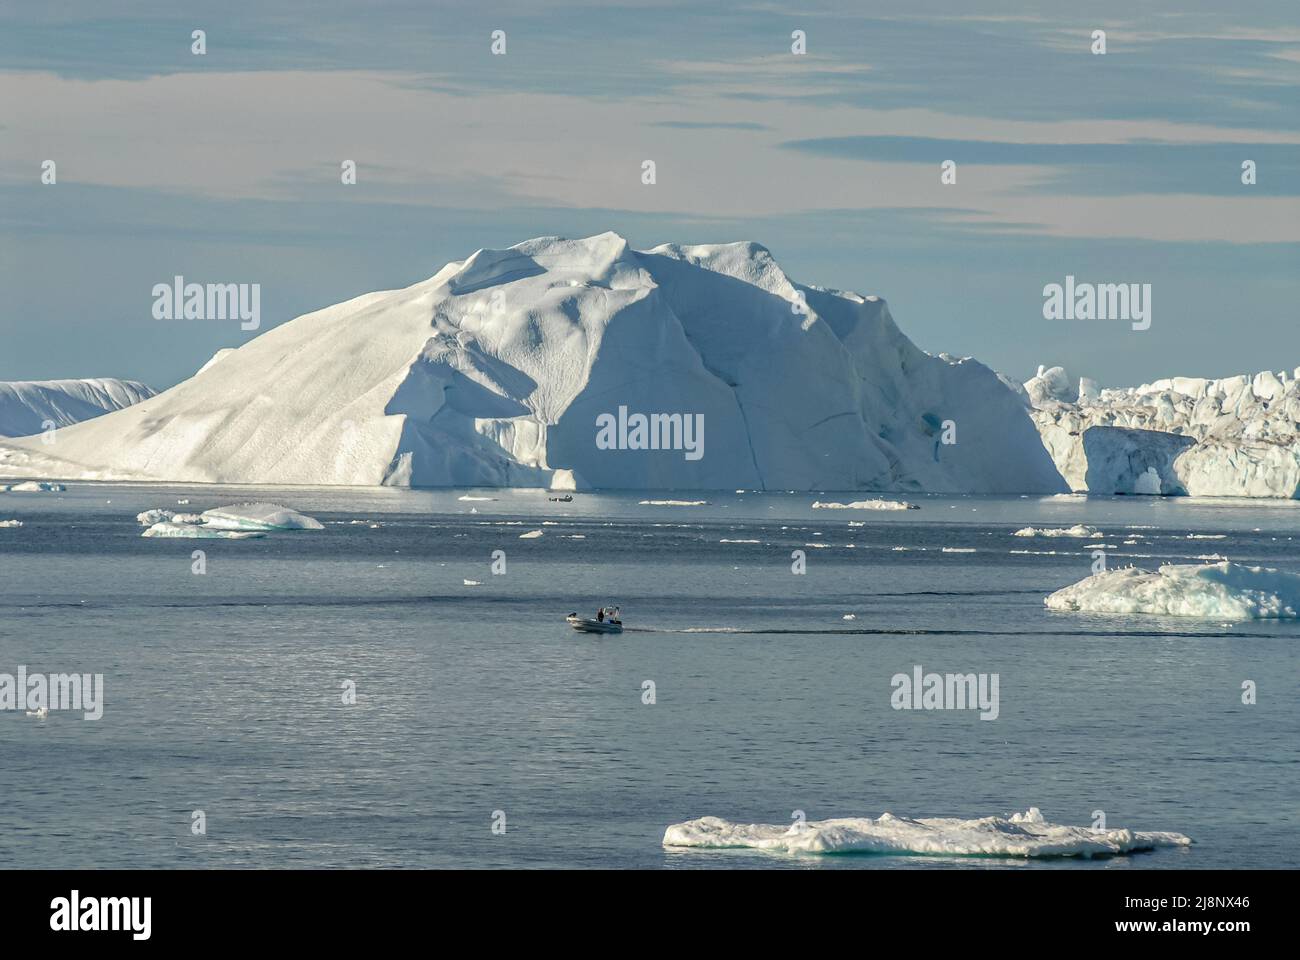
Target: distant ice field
(222, 690)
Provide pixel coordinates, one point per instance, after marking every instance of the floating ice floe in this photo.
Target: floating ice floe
(259, 516)
(149, 517)
(479, 499)
(674, 503)
(32, 486)
(236, 522)
(10, 523)
(199, 531)
(530, 535)
(1019, 835)
(1216, 591)
(866, 505)
(473, 583)
(1078, 530)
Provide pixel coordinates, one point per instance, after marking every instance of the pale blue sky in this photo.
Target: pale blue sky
(224, 168)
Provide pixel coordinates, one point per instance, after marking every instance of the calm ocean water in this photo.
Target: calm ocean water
(223, 690)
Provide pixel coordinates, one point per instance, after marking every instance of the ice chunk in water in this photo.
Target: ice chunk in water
(1078, 530)
(1019, 835)
(233, 523)
(259, 516)
(167, 528)
(1217, 591)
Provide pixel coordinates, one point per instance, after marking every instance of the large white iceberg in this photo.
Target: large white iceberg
(1019, 835)
(28, 406)
(1234, 437)
(494, 371)
(1216, 591)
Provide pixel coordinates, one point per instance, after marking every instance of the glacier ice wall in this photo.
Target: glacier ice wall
(1232, 437)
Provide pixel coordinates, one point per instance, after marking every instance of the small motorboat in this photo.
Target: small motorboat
(606, 621)
(567, 498)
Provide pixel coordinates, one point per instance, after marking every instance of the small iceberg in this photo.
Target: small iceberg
(259, 516)
(10, 523)
(530, 535)
(1078, 530)
(150, 517)
(238, 522)
(1216, 591)
(167, 528)
(32, 486)
(866, 505)
(1019, 835)
(673, 503)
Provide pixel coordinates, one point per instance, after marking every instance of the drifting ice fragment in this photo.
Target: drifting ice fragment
(1078, 530)
(236, 522)
(1020, 835)
(167, 528)
(1214, 591)
(259, 516)
(867, 505)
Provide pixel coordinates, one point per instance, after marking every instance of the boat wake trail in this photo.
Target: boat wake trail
(923, 632)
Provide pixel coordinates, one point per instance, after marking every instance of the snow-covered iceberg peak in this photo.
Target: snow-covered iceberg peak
(1026, 834)
(579, 363)
(1215, 591)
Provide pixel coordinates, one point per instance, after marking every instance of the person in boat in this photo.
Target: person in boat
(600, 615)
